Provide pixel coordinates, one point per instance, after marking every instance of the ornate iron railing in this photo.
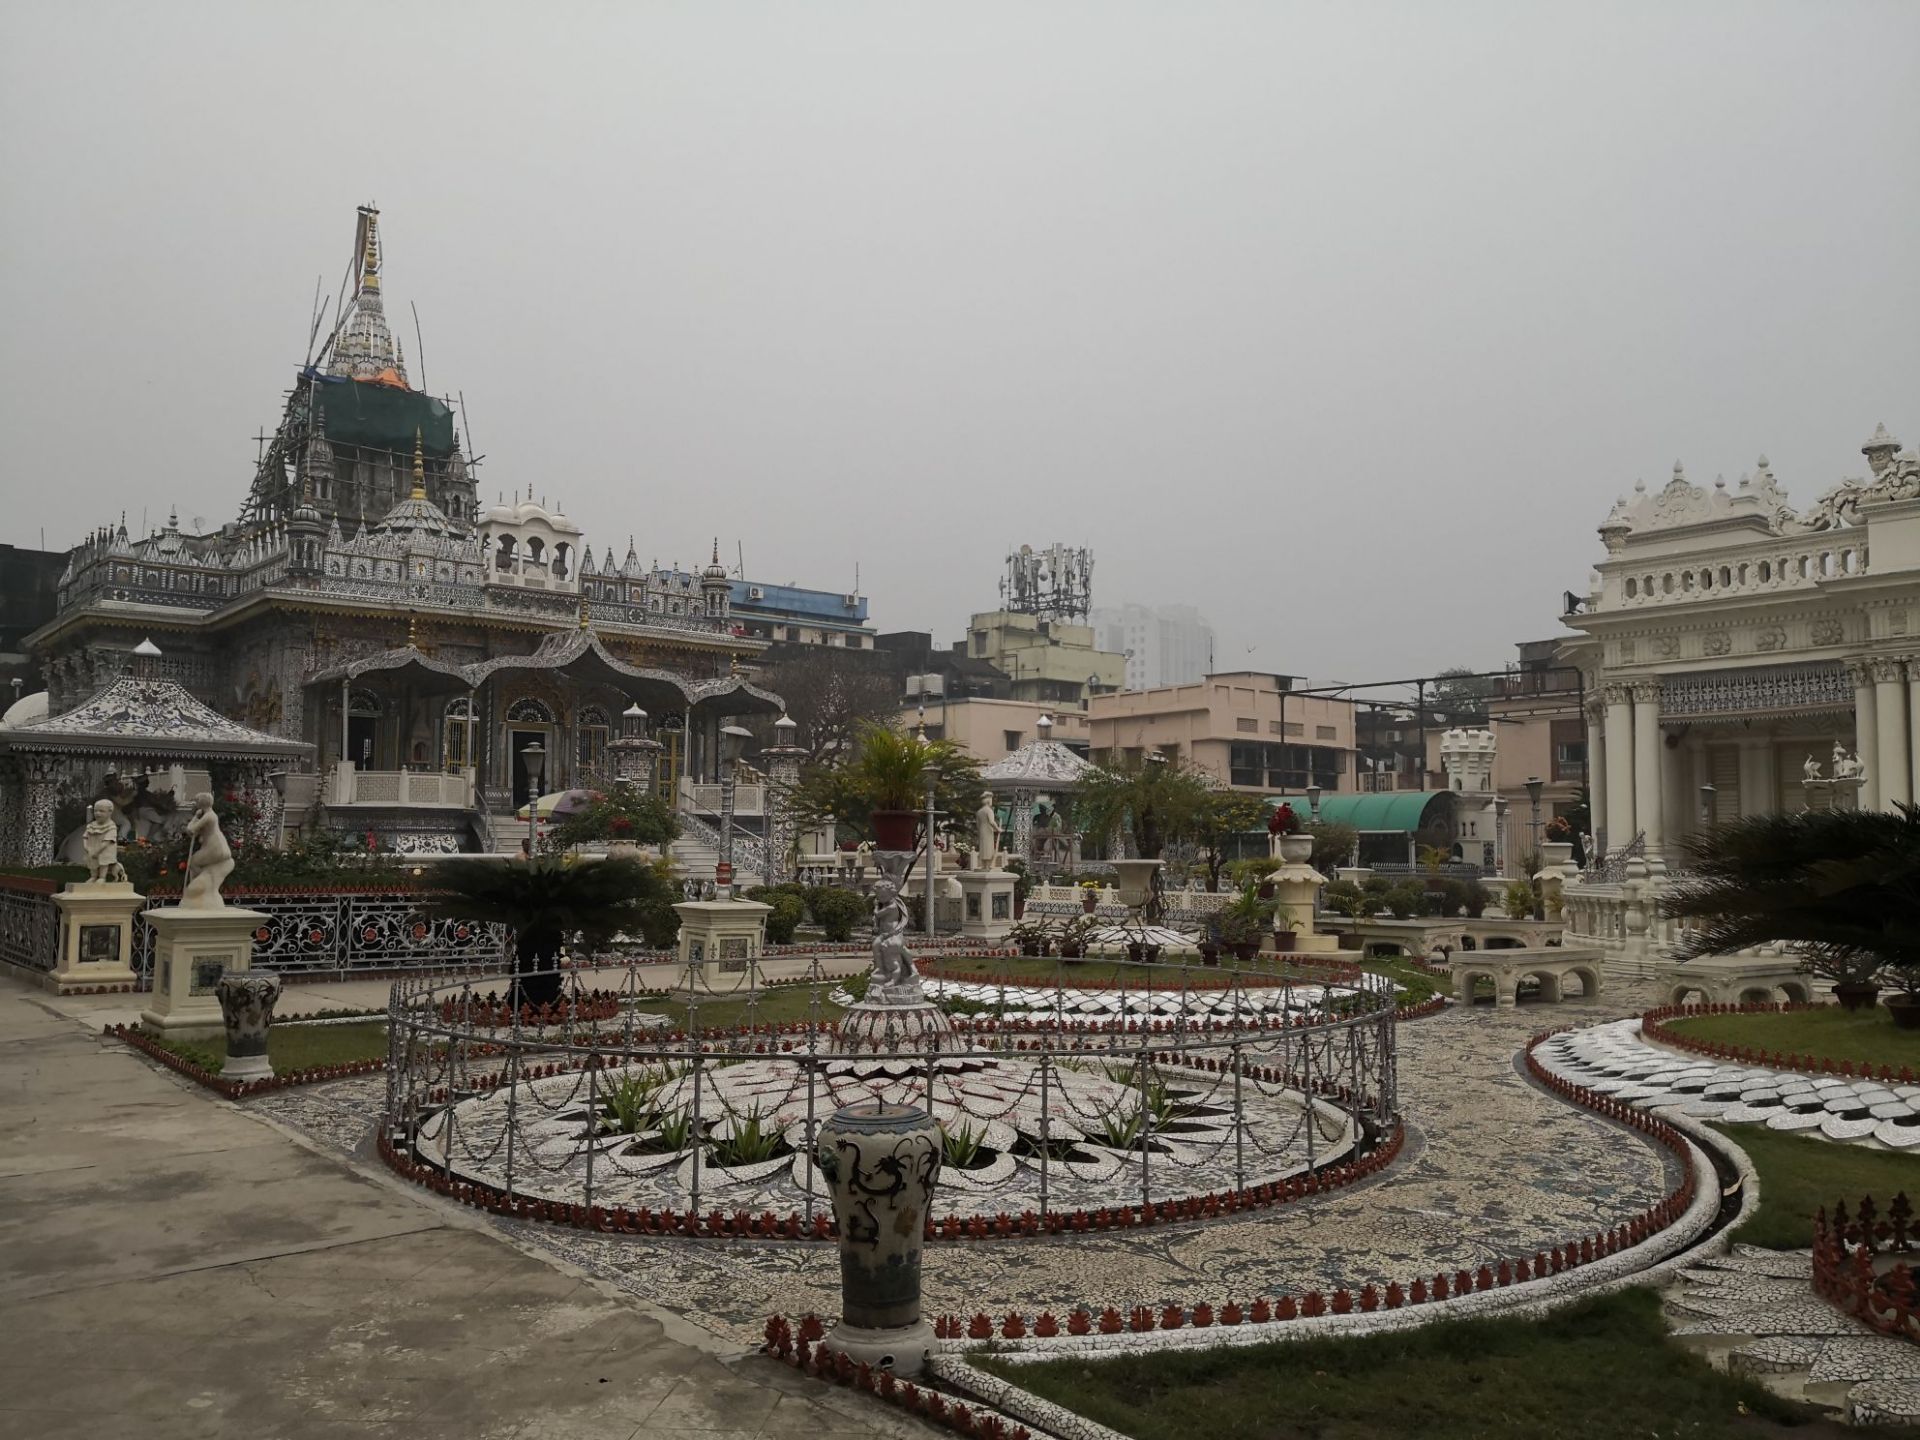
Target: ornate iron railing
(29, 927)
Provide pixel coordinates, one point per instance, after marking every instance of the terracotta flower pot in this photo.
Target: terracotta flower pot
(1283, 940)
(1088, 901)
(894, 829)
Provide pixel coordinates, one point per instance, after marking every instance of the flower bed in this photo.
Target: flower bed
(1653, 1027)
(1845, 1271)
(239, 1089)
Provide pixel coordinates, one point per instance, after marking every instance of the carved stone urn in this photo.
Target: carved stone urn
(247, 999)
(881, 1162)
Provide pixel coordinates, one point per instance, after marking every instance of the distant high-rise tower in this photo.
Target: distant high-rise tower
(1164, 645)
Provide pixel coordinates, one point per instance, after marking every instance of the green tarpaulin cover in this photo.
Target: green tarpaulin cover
(359, 413)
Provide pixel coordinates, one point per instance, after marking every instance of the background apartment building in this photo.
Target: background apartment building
(1250, 731)
(1164, 644)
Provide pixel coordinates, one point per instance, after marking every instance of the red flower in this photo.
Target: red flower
(1283, 821)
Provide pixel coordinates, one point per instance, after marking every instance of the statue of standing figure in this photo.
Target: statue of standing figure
(893, 970)
(100, 842)
(1845, 766)
(986, 833)
(209, 862)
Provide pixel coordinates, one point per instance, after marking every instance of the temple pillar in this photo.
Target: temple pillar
(1866, 731)
(1649, 771)
(1618, 767)
(783, 825)
(1021, 823)
(1596, 778)
(1913, 723)
(1890, 711)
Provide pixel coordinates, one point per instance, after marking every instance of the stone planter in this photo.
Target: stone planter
(881, 1163)
(247, 999)
(895, 829)
(1556, 855)
(1296, 849)
(1856, 994)
(1136, 881)
(1905, 1010)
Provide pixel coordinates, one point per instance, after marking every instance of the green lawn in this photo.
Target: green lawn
(300, 1047)
(1829, 1032)
(1799, 1175)
(1594, 1371)
(781, 1003)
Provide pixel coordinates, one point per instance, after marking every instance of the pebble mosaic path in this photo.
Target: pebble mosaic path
(1758, 1310)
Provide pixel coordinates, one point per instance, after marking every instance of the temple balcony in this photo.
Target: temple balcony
(419, 788)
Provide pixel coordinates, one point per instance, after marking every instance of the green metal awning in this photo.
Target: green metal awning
(1387, 811)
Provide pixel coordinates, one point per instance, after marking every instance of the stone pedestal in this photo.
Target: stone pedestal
(725, 936)
(96, 935)
(1295, 886)
(881, 1162)
(246, 1002)
(192, 949)
(986, 903)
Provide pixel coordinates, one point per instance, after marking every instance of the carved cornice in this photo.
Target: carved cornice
(1645, 692)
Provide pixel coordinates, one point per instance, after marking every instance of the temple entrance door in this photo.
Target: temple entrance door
(362, 740)
(518, 738)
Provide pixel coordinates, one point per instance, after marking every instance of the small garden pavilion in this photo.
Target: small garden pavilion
(1040, 770)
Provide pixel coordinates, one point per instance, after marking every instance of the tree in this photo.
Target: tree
(1333, 843)
(545, 902)
(1151, 800)
(1843, 886)
(1461, 694)
(1222, 816)
(882, 771)
(829, 695)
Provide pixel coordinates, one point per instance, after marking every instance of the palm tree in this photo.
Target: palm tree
(1156, 801)
(1842, 886)
(544, 903)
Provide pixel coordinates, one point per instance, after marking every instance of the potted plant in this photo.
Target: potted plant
(1089, 895)
(1017, 867)
(1244, 923)
(882, 787)
(1284, 935)
(1287, 835)
(1557, 850)
(1837, 885)
(1029, 935)
(1074, 935)
(1209, 945)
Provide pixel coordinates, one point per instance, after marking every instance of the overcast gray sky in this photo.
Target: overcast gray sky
(1344, 322)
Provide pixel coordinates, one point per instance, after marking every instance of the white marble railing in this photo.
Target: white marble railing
(1757, 570)
(352, 786)
(747, 799)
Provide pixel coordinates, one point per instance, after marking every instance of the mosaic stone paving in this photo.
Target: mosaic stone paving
(1102, 1003)
(1762, 1301)
(1614, 1060)
(1494, 1166)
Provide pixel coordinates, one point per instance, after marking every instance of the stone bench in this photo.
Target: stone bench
(1751, 976)
(1551, 966)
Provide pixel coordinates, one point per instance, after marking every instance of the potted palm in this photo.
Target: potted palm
(1842, 887)
(547, 902)
(881, 788)
(1284, 935)
(1244, 923)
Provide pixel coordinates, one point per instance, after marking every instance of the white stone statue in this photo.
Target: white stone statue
(986, 833)
(1845, 766)
(894, 978)
(101, 844)
(209, 862)
(1811, 770)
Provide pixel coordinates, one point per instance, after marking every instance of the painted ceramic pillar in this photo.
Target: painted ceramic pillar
(783, 778)
(247, 998)
(40, 775)
(881, 1163)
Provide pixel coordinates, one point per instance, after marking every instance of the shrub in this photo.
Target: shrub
(1453, 897)
(788, 911)
(1517, 901)
(1250, 872)
(1475, 898)
(1343, 897)
(1376, 888)
(838, 911)
(1404, 899)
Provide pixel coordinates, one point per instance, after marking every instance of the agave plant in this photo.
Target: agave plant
(752, 1138)
(1841, 886)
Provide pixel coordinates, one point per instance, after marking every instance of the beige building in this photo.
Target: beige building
(991, 730)
(1048, 660)
(1246, 729)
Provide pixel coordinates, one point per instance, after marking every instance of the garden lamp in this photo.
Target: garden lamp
(733, 739)
(930, 777)
(534, 757)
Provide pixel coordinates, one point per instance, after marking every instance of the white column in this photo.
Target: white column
(1597, 770)
(1913, 723)
(1866, 733)
(1649, 770)
(1890, 710)
(1619, 768)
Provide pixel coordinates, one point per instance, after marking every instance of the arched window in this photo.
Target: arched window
(529, 711)
(591, 741)
(363, 702)
(561, 557)
(455, 725)
(535, 551)
(1632, 587)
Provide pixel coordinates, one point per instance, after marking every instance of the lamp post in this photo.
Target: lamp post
(930, 775)
(1500, 808)
(1534, 786)
(732, 738)
(1313, 802)
(534, 757)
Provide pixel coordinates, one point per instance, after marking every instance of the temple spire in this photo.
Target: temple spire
(370, 248)
(419, 466)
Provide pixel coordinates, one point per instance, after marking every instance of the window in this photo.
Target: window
(1246, 726)
(1295, 727)
(1013, 738)
(1325, 732)
(936, 732)
(979, 642)
(1275, 728)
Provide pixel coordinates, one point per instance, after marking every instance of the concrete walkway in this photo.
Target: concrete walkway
(173, 1266)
